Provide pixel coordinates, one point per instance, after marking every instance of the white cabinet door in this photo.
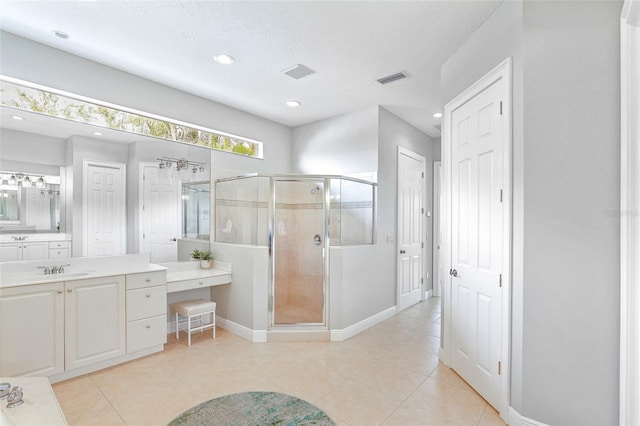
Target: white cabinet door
(95, 320)
(32, 330)
(35, 251)
(10, 252)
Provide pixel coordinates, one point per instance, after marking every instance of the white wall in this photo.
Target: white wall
(27, 60)
(341, 145)
(394, 132)
(22, 147)
(565, 283)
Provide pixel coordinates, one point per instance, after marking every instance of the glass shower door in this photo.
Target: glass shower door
(298, 238)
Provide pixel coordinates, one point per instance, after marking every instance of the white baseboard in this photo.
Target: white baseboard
(428, 294)
(352, 330)
(255, 336)
(517, 419)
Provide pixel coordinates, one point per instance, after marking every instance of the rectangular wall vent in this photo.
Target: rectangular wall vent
(392, 77)
(298, 71)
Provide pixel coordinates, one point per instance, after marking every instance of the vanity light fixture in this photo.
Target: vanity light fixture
(181, 164)
(292, 103)
(40, 182)
(26, 182)
(224, 59)
(17, 117)
(437, 115)
(5, 194)
(13, 180)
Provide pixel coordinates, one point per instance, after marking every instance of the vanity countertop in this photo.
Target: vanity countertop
(33, 237)
(40, 405)
(14, 274)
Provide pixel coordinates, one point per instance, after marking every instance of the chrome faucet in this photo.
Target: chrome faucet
(61, 268)
(47, 270)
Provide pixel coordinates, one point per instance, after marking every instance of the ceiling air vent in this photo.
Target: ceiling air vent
(298, 71)
(393, 77)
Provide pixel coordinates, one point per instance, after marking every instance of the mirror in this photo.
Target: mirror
(166, 224)
(29, 202)
(196, 201)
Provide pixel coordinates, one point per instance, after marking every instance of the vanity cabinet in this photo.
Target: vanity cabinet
(146, 310)
(22, 250)
(32, 330)
(94, 320)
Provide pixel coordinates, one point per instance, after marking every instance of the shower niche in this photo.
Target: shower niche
(299, 218)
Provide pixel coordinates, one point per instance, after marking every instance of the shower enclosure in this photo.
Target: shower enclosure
(298, 217)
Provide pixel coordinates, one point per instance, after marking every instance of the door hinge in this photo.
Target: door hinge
(423, 210)
(144, 177)
(500, 280)
(421, 280)
(499, 368)
(144, 236)
(500, 107)
(143, 207)
(501, 195)
(422, 175)
(422, 244)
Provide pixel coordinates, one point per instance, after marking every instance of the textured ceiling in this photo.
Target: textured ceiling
(348, 44)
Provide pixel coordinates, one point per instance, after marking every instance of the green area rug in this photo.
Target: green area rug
(254, 409)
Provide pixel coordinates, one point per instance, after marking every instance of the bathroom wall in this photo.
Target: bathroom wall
(42, 150)
(566, 170)
(27, 60)
(341, 145)
(394, 132)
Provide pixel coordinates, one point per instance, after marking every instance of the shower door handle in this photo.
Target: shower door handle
(317, 240)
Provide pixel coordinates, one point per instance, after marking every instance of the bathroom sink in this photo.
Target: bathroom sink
(70, 274)
(31, 277)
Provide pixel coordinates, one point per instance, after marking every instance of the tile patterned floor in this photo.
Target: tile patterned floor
(387, 375)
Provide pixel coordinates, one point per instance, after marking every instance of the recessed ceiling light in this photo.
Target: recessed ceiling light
(61, 34)
(224, 59)
(293, 104)
(437, 115)
(17, 117)
(97, 133)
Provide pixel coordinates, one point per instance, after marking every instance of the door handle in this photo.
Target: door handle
(317, 240)
(402, 252)
(453, 272)
(173, 239)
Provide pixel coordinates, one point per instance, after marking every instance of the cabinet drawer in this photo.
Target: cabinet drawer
(58, 245)
(59, 253)
(146, 302)
(146, 279)
(147, 332)
(198, 283)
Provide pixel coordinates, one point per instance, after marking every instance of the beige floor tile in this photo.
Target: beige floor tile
(448, 401)
(372, 347)
(83, 404)
(423, 343)
(407, 415)
(447, 375)
(390, 378)
(420, 362)
(358, 405)
(389, 334)
(490, 417)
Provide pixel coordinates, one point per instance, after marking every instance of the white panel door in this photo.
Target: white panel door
(160, 203)
(94, 320)
(477, 252)
(411, 186)
(32, 330)
(105, 209)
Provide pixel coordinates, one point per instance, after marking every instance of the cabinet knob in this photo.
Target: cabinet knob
(59, 291)
(148, 280)
(148, 295)
(69, 290)
(148, 325)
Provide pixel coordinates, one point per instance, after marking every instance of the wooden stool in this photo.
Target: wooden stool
(195, 308)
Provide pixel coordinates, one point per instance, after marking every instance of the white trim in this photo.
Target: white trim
(255, 336)
(423, 186)
(517, 419)
(359, 327)
(85, 199)
(502, 71)
(630, 214)
(437, 218)
(428, 294)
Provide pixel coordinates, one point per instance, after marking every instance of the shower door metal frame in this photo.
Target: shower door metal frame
(325, 249)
